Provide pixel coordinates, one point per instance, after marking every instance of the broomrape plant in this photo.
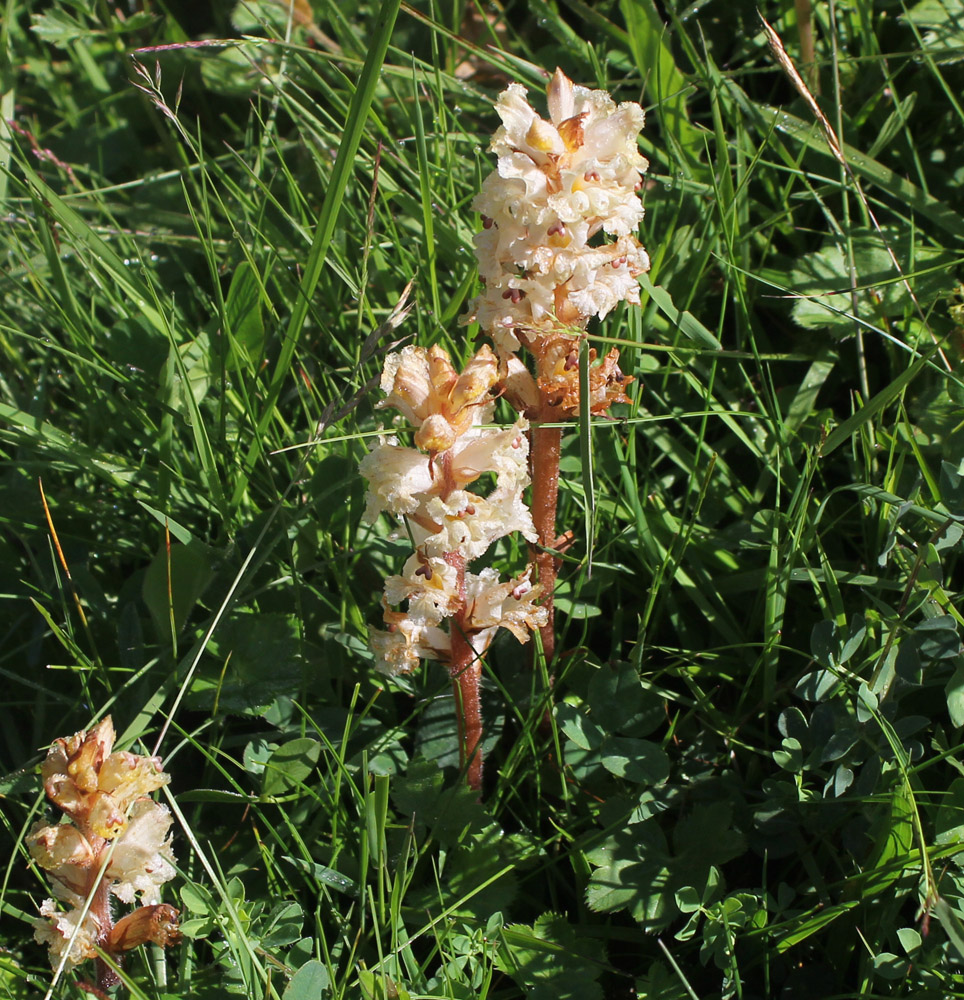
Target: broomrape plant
(116, 843)
(426, 486)
(561, 188)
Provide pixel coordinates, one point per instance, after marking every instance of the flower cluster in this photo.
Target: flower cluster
(547, 269)
(429, 487)
(116, 843)
(556, 250)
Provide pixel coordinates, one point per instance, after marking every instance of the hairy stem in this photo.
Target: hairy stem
(100, 911)
(545, 447)
(465, 670)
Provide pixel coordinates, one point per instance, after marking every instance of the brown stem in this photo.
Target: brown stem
(544, 457)
(466, 672)
(100, 911)
(465, 669)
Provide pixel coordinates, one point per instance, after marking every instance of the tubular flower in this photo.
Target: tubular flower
(407, 641)
(492, 604)
(425, 388)
(560, 187)
(116, 843)
(428, 487)
(65, 932)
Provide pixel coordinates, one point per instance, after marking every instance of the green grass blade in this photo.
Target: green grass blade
(355, 124)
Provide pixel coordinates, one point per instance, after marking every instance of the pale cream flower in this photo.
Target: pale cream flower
(519, 387)
(604, 276)
(129, 776)
(509, 605)
(424, 387)
(430, 585)
(404, 481)
(141, 859)
(64, 851)
(397, 479)
(399, 649)
(558, 183)
(504, 452)
(64, 932)
(470, 524)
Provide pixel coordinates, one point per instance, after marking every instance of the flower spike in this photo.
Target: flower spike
(558, 249)
(117, 843)
(432, 488)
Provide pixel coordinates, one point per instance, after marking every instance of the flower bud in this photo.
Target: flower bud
(435, 435)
